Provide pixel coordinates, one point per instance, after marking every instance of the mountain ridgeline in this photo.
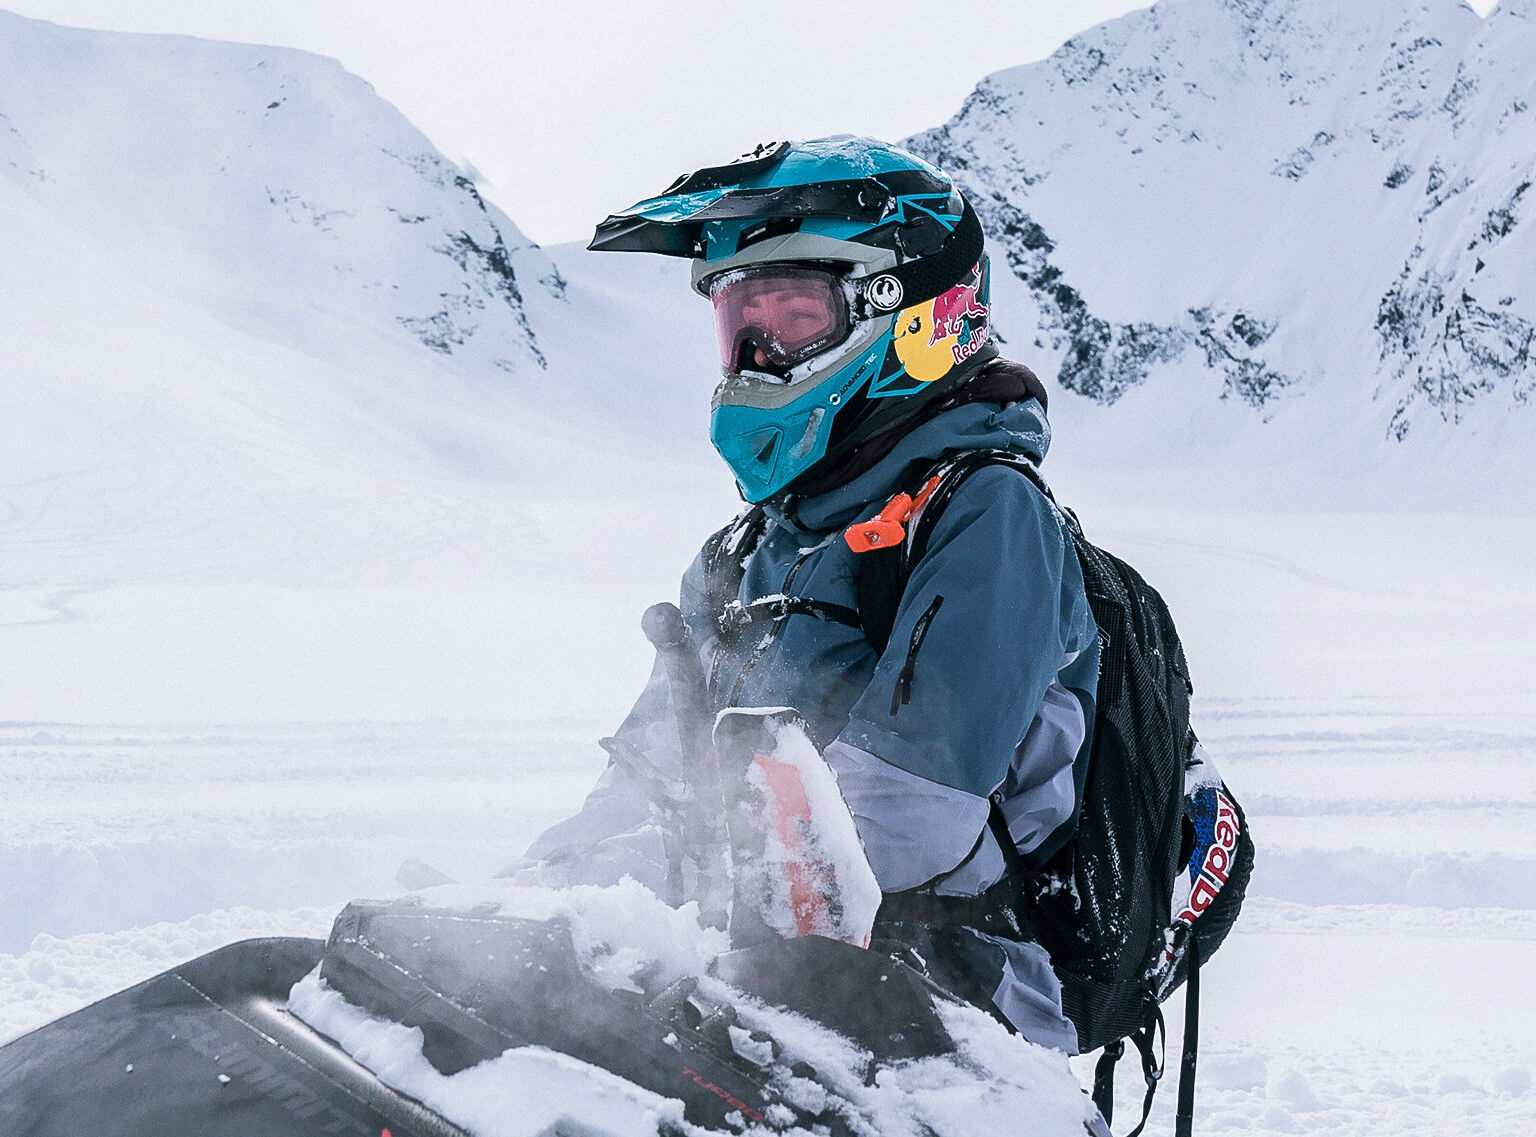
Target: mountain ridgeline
(1318, 211)
(258, 181)
(1273, 196)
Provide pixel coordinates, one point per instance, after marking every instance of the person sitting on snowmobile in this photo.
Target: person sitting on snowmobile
(851, 294)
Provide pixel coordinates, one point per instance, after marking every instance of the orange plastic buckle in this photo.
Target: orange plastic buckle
(888, 527)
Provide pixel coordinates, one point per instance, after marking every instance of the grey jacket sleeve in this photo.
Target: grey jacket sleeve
(619, 829)
(615, 834)
(992, 616)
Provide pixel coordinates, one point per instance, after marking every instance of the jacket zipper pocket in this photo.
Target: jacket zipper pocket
(902, 695)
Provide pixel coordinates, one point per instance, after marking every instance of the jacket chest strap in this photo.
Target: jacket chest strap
(736, 617)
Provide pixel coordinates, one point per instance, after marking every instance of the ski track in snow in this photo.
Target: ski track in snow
(1377, 983)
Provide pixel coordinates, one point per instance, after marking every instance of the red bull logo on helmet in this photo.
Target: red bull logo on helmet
(933, 337)
(952, 309)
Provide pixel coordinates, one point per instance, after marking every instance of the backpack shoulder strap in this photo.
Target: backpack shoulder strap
(883, 573)
(881, 578)
(725, 556)
(955, 470)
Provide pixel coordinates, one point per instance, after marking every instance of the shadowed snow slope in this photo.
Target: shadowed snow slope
(1321, 212)
(267, 184)
(255, 325)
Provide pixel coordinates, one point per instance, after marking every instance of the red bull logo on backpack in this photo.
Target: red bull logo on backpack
(1212, 861)
(1218, 833)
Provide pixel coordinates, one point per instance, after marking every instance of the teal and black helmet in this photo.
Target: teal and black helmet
(850, 287)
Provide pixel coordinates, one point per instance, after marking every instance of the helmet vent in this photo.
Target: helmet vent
(772, 227)
(764, 446)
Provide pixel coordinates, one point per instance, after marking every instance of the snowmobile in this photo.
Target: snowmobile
(213, 1048)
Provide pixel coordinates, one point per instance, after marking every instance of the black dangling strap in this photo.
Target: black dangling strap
(998, 824)
(1151, 1064)
(1151, 1035)
(1184, 1122)
(1104, 1079)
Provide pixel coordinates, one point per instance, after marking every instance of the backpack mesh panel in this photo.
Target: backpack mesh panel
(1101, 906)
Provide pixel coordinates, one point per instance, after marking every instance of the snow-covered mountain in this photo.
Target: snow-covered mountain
(293, 423)
(268, 184)
(1268, 199)
(254, 324)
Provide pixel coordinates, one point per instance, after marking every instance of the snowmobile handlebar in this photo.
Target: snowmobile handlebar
(664, 626)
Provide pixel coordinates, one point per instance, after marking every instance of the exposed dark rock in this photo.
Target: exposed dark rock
(448, 327)
(1227, 343)
(1426, 90)
(487, 268)
(1103, 360)
(1501, 219)
(1453, 351)
(1106, 360)
(1079, 62)
(1251, 330)
(1460, 94)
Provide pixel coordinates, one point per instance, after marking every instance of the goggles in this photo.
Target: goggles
(775, 317)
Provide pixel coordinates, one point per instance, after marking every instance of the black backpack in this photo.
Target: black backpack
(1151, 814)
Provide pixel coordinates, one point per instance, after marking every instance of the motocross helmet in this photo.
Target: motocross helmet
(850, 289)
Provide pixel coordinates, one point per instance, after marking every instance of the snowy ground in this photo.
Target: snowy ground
(1373, 709)
(1379, 981)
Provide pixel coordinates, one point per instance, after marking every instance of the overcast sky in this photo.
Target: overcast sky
(572, 109)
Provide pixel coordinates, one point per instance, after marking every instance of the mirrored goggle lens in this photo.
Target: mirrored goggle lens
(775, 318)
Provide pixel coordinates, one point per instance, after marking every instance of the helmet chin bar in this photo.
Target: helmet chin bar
(771, 432)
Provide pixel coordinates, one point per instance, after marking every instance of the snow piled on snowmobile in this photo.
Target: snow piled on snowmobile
(661, 970)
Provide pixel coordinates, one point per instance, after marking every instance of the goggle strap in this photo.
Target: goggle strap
(933, 276)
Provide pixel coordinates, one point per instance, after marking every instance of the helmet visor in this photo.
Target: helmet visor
(774, 317)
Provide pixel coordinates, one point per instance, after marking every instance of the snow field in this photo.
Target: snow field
(1378, 982)
(111, 828)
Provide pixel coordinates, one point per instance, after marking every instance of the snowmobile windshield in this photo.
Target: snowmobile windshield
(775, 317)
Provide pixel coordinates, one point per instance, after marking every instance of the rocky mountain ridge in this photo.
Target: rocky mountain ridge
(1275, 196)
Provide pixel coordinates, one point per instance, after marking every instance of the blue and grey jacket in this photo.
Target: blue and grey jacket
(985, 688)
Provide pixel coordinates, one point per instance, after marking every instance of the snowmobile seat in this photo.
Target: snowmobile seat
(206, 1049)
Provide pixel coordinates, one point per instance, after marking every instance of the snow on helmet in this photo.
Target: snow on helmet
(850, 287)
